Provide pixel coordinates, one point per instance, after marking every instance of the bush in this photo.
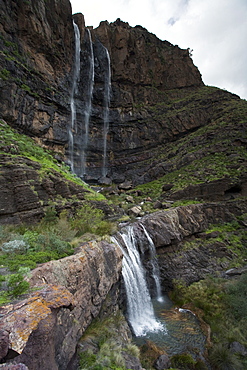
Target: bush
(90, 220)
(223, 359)
(15, 246)
(236, 297)
(16, 284)
(183, 361)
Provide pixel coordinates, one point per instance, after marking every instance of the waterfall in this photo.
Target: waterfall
(139, 305)
(88, 104)
(75, 80)
(107, 92)
(155, 265)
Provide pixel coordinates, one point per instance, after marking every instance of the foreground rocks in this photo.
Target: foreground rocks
(44, 328)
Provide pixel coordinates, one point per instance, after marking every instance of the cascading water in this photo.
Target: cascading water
(139, 305)
(155, 265)
(176, 331)
(88, 104)
(76, 76)
(107, 93)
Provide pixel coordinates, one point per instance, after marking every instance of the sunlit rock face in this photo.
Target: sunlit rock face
(44, 329)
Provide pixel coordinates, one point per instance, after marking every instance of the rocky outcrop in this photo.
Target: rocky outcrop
(170, 231)
(26, 193)
(44, 328)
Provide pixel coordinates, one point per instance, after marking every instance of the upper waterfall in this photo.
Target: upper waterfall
(88, 104)
(75, 80)
(107, 97)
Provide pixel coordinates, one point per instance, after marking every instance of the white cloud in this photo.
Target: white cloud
(216, 30)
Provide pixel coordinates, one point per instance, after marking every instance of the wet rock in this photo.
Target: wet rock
(105, 181)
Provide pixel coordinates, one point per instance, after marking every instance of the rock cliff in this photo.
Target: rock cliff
(42, 331)
(162, 118)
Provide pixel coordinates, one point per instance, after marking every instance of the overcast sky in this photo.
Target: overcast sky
(216, 30)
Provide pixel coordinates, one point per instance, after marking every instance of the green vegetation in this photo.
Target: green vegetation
(90, 220)
(232, 236)
(4, 74)
(20, 145)
(106, 346)
(183, 361)
(210, 152)
(28, 89)
(15, 285)
(23, 247)
(224, 308)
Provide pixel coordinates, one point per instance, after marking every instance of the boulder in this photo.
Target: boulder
(162, 362)
(45, 327)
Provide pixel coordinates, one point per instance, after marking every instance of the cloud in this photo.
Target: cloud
(215, 29)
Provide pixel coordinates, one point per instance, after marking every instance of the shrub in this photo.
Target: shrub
(236, 297)
(90, 220)
(223, 359)
(16, 284)
(15, 246)
(183, 361)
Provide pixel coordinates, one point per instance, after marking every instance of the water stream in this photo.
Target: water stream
(107, 93)
(88, 104)
(139, 304)
(157, 320)
(75, 80)
(155, 265)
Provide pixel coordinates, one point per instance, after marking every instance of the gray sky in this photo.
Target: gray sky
(216, 30)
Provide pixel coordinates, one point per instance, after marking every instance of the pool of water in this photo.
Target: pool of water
(181, 330)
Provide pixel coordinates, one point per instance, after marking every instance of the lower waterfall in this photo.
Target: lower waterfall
(140, 309)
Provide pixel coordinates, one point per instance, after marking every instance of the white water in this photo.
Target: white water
(76, 75)
(155, 266)
(107, 93)
(88, 104)
(139, 305)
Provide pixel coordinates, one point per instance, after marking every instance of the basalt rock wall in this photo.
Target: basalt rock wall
(37, 61)
(37, 42)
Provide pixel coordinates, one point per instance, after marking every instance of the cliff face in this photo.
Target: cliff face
(42, 331)
(36, 42)
(157, 94)
(37, 39)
